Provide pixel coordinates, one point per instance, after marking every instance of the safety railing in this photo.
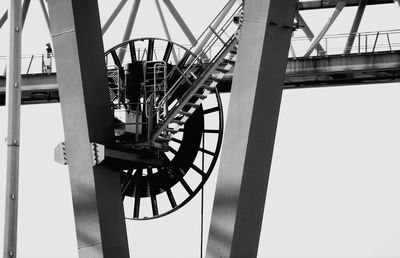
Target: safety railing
(220, 31)
(32, 64)
(364, 42)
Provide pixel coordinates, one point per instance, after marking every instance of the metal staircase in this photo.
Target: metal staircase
(199, 78)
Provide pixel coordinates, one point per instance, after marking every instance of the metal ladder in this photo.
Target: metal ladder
(200, 78)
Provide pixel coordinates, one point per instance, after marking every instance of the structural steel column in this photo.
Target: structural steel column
(250, 131)
(13, 103)
(87, 117)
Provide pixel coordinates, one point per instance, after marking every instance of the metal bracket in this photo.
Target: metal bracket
(98, 153)
(60, 154)
(97, 150)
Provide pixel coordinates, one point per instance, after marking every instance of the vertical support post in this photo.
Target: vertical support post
(128, 29)
(45, 13)
(87, 118)
(355, 26)
(339, 7)
(251, 126)
(180, 21)
(13, 103)
(113, 16)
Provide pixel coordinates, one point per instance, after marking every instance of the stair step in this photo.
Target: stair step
(217, 79)
(164, 139)
(200, 96)
(171, 130)
(229, 61)
(207, 87)
(185, 113)
(222, 69)
(179, 122)
(234, 51)
(192, 105)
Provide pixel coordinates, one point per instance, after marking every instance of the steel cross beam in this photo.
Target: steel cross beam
(87, 118)
(250, 130)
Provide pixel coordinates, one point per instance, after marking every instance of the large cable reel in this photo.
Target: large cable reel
(174, 171)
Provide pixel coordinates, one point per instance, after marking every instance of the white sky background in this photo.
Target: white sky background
(334, 185)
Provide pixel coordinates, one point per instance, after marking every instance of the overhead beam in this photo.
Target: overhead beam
(166, 30)
(250, 130)
(87, 118)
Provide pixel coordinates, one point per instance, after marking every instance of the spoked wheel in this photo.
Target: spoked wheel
(158, 188)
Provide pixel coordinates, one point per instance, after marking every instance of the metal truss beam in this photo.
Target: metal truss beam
(3, 19)
(25, 8)
(250, 131)
(129, 27)
(339, 7)
(319, 4)
(113, 16)
(45, 13)
(355, 26)
(13, 129)
(310, 35)
(87, 118)
(323, 71)
(182, 24)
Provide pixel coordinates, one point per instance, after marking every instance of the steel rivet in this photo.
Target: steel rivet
(17, 29)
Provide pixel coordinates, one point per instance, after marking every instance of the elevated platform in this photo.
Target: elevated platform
(316, 71)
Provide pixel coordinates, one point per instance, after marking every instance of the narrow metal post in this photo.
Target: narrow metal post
(45, 13)
(113, 16)
(13, 103)
(129, 27)
(250, 130)
(180, 21)
(355, 26)
(164, 23)
(339, 7)
(310, 35)
(3, 19)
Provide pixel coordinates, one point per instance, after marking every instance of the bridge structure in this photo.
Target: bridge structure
(257, 39)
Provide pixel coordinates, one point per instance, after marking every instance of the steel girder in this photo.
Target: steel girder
(87, 118)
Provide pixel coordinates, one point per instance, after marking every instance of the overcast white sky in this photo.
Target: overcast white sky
(334, 186)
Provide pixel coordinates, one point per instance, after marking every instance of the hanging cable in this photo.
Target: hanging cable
(202, 204)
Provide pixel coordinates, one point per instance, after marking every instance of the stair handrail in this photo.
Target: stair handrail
(212, 41)
(196, 59)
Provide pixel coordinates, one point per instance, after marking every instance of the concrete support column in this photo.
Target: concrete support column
(250, 131)
(87, 117)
